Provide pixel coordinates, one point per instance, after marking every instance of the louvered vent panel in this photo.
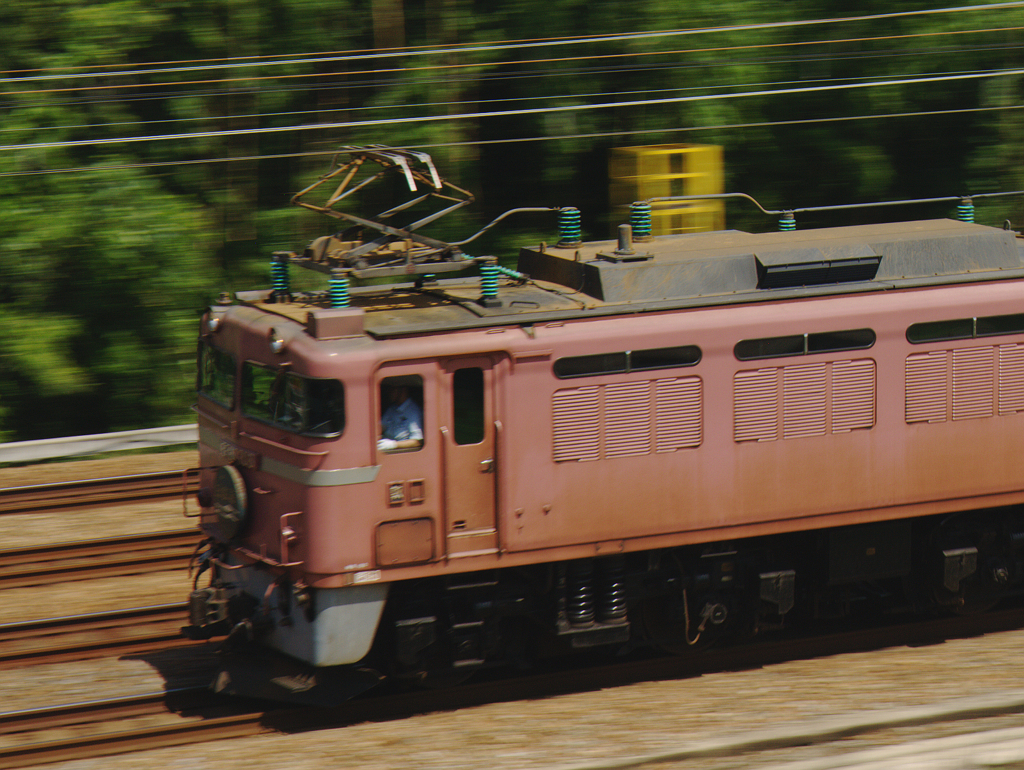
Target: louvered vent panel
(853, 395)
(678, 411)
(803, 400)
(627, 419)
(576, 424)
(1011, 379)
(756, 405)
(927, 397)
(973, 383)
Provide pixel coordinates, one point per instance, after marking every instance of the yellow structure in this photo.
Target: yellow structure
(664, 170)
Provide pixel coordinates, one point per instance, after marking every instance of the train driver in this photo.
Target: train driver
(402, 422)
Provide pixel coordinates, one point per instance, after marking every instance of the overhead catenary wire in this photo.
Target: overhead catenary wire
(350, 84)
(513, 140)
(509, 113)
(255, 86)
(536, 43)
(251, 79)
(455, 102)
(766, 89)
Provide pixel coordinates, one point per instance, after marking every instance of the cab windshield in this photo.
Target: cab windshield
(308, 405)
(216, 375)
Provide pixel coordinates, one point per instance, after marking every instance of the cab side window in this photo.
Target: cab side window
(468, 405)
(401, 423)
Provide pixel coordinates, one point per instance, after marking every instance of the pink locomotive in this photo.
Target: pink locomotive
(660, 441)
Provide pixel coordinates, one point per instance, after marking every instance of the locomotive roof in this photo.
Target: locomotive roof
(674, 271)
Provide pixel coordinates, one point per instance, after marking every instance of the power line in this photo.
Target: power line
(494, 47)
(490, 77)
(511, 113)
(521, 140)
(502, 100)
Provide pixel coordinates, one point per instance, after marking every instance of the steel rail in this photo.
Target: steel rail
(101, 634)
(141, 738)
(215, 725)
(88, 712)
(91, 559)
(92, 493)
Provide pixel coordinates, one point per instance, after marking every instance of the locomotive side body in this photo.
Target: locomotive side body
(697, 440)
(800, 466)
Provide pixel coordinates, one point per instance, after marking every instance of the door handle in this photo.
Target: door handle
(487, 466)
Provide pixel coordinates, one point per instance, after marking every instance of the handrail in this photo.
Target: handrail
(838, 207)
(279, 445)
(443, 484)
(498, 430)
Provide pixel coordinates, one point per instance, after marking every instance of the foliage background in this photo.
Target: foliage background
(112, 242)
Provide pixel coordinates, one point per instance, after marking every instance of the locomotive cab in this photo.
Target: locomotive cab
(298, 466)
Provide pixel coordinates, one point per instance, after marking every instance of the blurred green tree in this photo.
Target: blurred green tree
(108, 248)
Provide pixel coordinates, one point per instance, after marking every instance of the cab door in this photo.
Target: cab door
(469, 441)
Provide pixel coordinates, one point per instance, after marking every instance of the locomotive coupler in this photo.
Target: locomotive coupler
(207, 613)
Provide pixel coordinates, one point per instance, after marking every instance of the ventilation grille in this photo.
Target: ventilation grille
(974, 380)
(677, 404)
(964, 383)
(927, 389)
(1011, 379)
(577, 423)
(627, 419)
(756, 405)
(853, 395)
(805, 400)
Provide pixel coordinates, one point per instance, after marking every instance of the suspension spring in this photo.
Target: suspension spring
(580, 607)
(613, 595)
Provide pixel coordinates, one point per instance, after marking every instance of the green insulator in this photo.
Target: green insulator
(511, 273)
(489, 279)
(339, 291)
(569, 227)
(640, 220)
(787, 221)
(965, 210)
(280, 275)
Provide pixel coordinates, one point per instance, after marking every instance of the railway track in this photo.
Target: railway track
(91, 559)
(137, 723)
(91, 735)
(120, 725)
(91, 493)
(98, 634)
(79, 731)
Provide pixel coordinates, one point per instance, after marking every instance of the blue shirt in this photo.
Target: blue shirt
(403, 421)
